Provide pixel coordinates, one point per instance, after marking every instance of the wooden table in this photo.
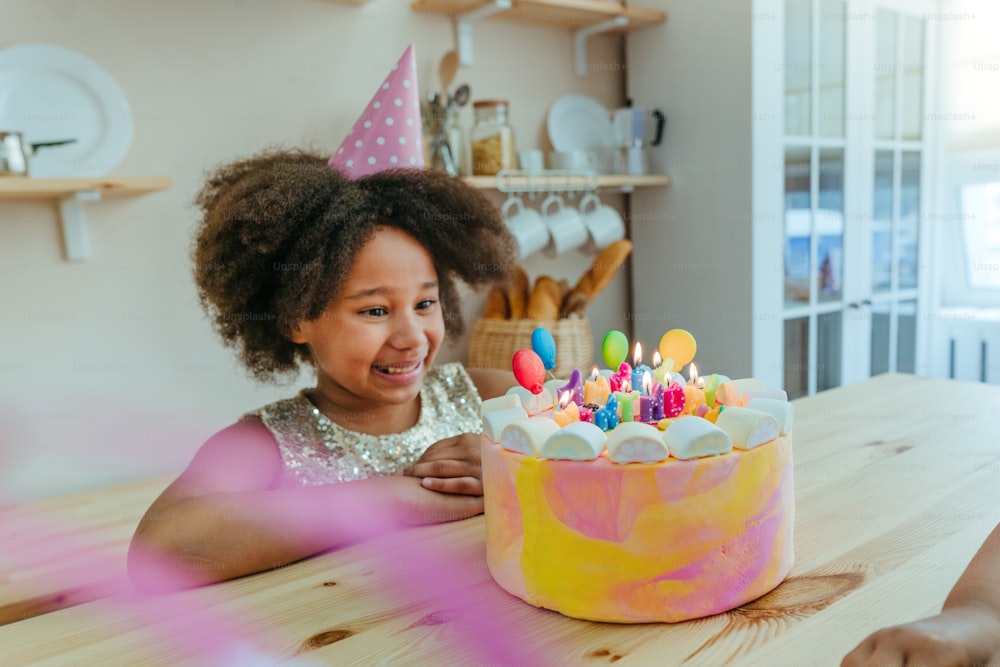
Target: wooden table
(896, 488)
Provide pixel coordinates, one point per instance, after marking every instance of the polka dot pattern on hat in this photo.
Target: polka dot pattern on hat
(388, 133)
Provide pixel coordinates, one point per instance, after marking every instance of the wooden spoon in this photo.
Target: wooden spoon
(446, 70)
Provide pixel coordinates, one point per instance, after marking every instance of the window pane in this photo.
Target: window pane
(830, 224)
(906, 346)
(798, 224)
(981, 234)
(909, 219)
(882, 223)
(828, 341)
(885, 75)
(797, 357)
(880, 338)
(798, 66)
(913, 76)
(831, 68)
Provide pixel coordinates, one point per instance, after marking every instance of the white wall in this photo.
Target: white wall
(108, 369)
(693, 258)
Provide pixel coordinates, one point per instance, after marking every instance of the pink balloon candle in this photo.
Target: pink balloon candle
(622, 376)
(673, 400)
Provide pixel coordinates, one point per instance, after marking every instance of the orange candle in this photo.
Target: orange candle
(596, 389)
(693, 397)
(568, 411)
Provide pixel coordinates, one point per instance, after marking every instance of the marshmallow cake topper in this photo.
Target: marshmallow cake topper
(388, 134)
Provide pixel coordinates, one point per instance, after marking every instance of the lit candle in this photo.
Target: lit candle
(596, 389)
(693, 397)
(646, 399)
(661, 371)
(626, 401)
(620, 377)
(568, 411)
(574, 387)
(638, 368)
(656, 393)
(693, 375)
(673, 400)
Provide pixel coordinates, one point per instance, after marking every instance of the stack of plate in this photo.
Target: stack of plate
(577, 122)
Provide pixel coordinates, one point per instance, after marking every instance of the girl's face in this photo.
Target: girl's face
(380, 333)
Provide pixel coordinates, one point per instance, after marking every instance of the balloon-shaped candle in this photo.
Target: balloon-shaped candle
(544, 345)
(529, 371)
(679, 345)
(614, 348)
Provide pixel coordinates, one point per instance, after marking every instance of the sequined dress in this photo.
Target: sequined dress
(315, 450)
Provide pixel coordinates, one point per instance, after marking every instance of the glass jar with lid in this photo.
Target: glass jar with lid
(492, 138)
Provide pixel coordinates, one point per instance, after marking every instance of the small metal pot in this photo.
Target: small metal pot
(14, 152)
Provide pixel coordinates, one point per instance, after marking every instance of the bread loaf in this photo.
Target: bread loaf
(545, 299)
(517, 294)
(496, 304)
(604, 268)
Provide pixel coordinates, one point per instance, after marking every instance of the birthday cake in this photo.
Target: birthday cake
(665, 504)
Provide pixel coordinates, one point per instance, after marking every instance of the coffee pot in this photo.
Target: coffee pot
(637, 127)
(15, 152)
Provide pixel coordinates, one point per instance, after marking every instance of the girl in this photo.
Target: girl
(965, 633)
(297, 264)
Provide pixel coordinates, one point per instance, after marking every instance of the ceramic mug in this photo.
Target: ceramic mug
(603, 222)
(565, 225)
(526, 225)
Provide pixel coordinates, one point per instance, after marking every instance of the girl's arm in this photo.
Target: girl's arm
(491, 382)
(966, 632)
(223, 518)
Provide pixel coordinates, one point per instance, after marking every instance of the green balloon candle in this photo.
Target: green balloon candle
(614, 348)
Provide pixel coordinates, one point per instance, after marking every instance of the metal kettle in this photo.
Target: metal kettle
(635, 127)
(15, 152)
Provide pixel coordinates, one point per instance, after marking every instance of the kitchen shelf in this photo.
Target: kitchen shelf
(572, 14)
(622, 182)
(72, 193)
(584, 17)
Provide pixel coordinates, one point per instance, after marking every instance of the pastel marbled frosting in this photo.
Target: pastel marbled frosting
(643, 542)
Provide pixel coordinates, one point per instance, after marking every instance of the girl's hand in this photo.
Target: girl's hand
(954, 638)
(451, 465)
(412, 504)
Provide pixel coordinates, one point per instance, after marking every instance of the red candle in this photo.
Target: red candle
(673, 400)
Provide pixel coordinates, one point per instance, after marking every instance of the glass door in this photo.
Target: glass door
(815, 147)
(847, 154)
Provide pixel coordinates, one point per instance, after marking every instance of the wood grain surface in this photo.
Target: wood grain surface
(896, 488)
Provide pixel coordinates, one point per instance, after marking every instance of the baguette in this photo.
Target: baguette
(517, 293)
(545, 300)
(496, 304)
(591, 283)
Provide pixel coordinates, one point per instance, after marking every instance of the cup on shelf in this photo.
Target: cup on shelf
(603, 222)
(574, 160)
(531, 160)
(565, 225)
(526, 225)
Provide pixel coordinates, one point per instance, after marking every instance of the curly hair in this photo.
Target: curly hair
(279, 232)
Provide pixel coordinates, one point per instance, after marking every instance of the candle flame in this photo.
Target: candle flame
(627, 386)
(564, 399)
(596, 373)
(693, 374)
(647, 383)
(657, 359)
(637, 357)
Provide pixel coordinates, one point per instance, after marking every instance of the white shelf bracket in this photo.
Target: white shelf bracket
(74, 224)
(581, 36)
(463, 27)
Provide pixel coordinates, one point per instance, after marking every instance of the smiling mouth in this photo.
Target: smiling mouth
(397, 369)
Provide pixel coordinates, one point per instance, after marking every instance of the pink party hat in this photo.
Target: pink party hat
(388, 134)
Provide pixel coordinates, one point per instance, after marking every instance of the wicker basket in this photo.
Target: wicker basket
(494, 342)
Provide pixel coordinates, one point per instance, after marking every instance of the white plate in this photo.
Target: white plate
(579, 122)
(51, 93)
